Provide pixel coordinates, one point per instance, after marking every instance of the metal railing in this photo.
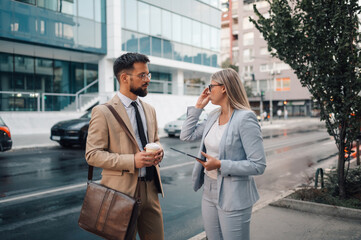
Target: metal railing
(193, 88)
(41, 97)
(159, 86)
(32, 95)
(76, 95)
(83, 90)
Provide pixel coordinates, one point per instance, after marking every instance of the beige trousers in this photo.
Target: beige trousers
(150, 219)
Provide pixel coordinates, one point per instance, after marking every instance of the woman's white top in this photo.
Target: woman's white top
(212, 141)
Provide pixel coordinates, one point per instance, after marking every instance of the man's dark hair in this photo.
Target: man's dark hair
(126, 62)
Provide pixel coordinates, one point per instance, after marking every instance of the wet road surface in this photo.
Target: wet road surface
(42, 189)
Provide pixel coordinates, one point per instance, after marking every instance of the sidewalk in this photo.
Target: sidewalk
(285, 219)
(43, 140)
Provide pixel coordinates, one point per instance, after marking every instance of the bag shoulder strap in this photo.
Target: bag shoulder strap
(122, 123)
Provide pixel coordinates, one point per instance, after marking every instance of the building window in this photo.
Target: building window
(283, 84)
(166, 24)
(248, 55)
(143, 18)
(86, 9)
(33, 2)
(263, 51)
(177, 26)
(247, 24)
(263, 85)
(131, 15)
(248, 39)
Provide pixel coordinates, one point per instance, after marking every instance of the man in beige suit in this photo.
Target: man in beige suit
(124, 164)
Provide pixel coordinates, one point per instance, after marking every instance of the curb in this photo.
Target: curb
(318, 208)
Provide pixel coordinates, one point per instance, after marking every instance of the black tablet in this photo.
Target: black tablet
(189, 155)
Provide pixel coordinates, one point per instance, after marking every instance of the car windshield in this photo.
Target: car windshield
(202, 117)
(87, 115)
(1, 121)
(183, 117)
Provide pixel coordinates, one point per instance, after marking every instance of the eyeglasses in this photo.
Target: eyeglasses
(210, 86)
(142, 76)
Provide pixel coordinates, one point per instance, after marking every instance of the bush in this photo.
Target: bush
(329, 194)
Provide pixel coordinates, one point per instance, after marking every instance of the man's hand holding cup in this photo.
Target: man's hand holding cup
(156, 150)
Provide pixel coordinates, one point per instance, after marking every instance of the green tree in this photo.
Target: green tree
(320, 41)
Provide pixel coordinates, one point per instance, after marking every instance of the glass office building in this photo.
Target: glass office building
(53, 52)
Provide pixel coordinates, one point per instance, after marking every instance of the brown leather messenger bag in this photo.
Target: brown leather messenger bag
(106, 212)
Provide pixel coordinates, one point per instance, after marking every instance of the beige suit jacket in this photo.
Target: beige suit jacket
(108, 147)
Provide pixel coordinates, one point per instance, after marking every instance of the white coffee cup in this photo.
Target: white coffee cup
(152, 147)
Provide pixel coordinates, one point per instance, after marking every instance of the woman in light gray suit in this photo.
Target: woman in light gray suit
(233, 148)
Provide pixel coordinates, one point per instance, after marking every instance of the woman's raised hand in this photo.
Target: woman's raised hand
(203, 99)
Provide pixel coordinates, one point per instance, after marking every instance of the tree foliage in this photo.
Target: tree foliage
(320, 41)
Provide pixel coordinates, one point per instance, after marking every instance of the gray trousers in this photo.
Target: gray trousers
(220, 224)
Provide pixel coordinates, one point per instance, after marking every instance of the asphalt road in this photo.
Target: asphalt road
(42, 189)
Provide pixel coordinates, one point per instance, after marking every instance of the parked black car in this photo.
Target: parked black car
(71, 132)
(5, 137)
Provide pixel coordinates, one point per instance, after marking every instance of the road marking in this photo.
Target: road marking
(60, 189)
(75, 186)
(176, 165)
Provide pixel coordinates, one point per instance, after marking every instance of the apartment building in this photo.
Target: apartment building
(265, 75)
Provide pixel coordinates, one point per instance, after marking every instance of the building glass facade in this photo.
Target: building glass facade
(70, 24)
(169, 31)
(28, 82)
(23, 74)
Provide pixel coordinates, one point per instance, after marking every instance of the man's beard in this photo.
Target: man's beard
(139, 91)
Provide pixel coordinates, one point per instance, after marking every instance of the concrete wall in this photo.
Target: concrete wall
(35, 122)
(168, 108)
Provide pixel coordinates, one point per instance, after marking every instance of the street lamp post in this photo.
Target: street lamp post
(273, 73)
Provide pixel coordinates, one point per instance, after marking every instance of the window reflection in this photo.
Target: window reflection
(156, 21)
(167, 49)
(166, 24)
(86, 9)
(177, 26)
(156, 47)
(205, 36)
(187, 50)
(37, 75)
(131, 41)
(144, 44)
(86, 37)
(67, 6)
(188, 41)
(186, 30)
(197, 39)
(48, 4)
(33, 2)
(143, 18)
(131, 14)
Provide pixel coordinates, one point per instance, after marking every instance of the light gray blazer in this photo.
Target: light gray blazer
(241, 153)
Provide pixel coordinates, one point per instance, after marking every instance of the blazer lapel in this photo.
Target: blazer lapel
(210, 123)
(119, 107)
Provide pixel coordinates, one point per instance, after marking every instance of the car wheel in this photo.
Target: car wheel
(64, 144)
(83, 143)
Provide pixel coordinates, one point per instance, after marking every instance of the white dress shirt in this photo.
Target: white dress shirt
(131, 114)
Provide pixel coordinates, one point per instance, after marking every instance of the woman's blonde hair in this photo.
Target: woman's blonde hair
(234, 88)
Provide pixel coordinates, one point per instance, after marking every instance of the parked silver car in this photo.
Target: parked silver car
(173, 128)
